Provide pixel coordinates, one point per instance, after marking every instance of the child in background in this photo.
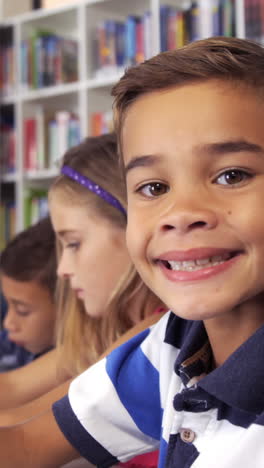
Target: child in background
(3, 307)
(28, 279)
(94, 257)
(190, 124)
(107, 296)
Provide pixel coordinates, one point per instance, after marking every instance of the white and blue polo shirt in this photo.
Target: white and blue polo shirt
(157, 392)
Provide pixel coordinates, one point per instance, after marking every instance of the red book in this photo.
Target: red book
(172, 30)
(140, 56)
(30, 144)
(96, 123)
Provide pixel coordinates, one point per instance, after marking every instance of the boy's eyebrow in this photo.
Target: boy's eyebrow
(236, 146)
(222, 147)
(142, 161)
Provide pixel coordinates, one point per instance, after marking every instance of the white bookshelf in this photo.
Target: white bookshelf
(91, 92)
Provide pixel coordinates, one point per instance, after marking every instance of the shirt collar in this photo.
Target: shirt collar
(239, 382)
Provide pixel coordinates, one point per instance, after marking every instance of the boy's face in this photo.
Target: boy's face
(30, 315)
(195, 178)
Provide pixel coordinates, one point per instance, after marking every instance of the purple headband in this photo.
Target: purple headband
(95, 188)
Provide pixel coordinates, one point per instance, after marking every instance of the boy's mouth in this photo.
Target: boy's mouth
(195, 259)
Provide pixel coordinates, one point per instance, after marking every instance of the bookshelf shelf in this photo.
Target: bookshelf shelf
(51, 91)
(50, 84)
(105, 81)
(41, 174)
(8, 100)
(36, 15)
(9, 178)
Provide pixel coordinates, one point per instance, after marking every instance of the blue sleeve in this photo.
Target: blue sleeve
(113, 410)
(11, 355)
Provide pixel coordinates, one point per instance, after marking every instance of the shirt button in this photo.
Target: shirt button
(187, 435)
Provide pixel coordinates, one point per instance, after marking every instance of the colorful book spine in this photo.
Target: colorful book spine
(7, 144)
(30, 144)
(47, 136)
(120, 43)
(147, 21)
(130, 39)
(7, 71)
(7, 222)
(47, 59)
(35, 206)
(194, 31)
(164, 23)
(100, 123)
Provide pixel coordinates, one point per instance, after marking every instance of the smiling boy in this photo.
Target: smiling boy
(190, 128)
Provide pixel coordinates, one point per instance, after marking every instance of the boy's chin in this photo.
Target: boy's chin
(199, 310)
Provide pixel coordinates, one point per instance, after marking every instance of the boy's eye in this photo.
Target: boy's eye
(22, 312)
(154, 189)
(233, 177)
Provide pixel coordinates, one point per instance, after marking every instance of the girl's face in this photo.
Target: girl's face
(94, 254)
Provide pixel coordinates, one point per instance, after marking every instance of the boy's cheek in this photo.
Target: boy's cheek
(133, 239)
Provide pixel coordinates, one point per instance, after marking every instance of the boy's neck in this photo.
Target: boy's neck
(229, 332)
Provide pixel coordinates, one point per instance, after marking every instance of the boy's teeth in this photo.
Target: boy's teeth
(202, 261)
(191, 265)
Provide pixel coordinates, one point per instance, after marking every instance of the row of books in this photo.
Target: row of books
(47, 136)
(7, 222)
(35, 206)
(120, 44)
(7, 146)
(254, 16)
(48, 59)
(7, 70)
(179, 27)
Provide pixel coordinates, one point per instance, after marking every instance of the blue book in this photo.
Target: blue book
(110, 53)
(194, 22)
(24, 62)
(130, 28)
(43, 207)
(216, 20)
(74, 136)
(164, 17)
(120, 43)
(52, 58)
(38, 62)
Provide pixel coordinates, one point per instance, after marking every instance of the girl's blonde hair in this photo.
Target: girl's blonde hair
(82, 339)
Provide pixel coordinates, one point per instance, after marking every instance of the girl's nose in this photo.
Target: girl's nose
(64, 269)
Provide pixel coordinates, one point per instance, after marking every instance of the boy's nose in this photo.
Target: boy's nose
(187, 218)
(10, 322)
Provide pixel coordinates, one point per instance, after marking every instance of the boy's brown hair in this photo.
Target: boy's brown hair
(229, 59)
(31, 256)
